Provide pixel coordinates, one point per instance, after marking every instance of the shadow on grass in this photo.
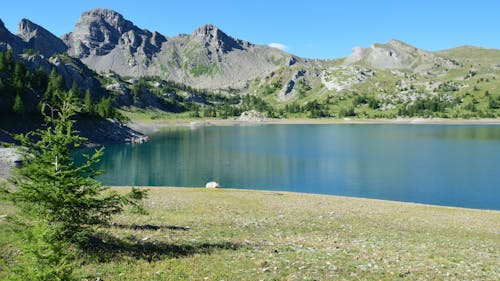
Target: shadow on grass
(150, 227)
(105, 248)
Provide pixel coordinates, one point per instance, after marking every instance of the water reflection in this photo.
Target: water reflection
(437, 164)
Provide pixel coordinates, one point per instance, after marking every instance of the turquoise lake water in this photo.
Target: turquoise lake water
(453, 165)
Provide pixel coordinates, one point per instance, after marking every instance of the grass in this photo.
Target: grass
(200, 234)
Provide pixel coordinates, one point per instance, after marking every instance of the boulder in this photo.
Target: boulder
(212, 184)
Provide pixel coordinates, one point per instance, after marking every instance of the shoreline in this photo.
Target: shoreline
(152, 126)
(296, 193)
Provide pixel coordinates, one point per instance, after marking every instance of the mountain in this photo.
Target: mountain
(38, 38)
(209, 69)
(206, 58)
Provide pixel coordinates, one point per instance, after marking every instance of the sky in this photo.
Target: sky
(325, 29)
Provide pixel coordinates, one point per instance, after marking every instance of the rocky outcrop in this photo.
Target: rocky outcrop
(9, 158)
(212, 36)
(252, 116)
(206, 58)
(287, 90)
(39, 39)
(102, 32)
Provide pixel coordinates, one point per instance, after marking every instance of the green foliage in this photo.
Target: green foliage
(303, 87)
(254, 102)
(315, 109)
(7, 62)
(42, 256)
(201, 69)
(55, 85)
(21, 76)
(39, 80)
(425, 107)
(88, 107)
(347, 111)
(18, 105)
(53, 189)
(105, 108)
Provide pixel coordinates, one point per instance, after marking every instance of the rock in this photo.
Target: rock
(9, 158)
(252, 116)
(117, 87)
(40, 39)
(212, 184)
(207, 58)
(213, 36)
(289, 87)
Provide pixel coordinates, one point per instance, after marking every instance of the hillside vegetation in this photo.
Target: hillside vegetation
(209, 74)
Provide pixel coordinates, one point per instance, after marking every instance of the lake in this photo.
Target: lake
(452, 165)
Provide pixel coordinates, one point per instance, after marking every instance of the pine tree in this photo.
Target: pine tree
(54, 190)
(39, 80)
(54, 85)
(19, 78)
(18, 106)
(9, 61)
(75, 91)
(87, 103)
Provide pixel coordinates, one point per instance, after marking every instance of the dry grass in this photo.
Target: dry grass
(199, 234)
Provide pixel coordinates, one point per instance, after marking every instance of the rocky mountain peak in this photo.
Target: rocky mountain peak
(28, 29)
(113, 20)
(211, 35)
(207, 30)
(97, 32)
(394, 54)
(40, 39)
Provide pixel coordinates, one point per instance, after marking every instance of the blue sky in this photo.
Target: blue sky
(308, 28)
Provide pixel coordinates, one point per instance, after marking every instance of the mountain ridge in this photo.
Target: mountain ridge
(396, 74)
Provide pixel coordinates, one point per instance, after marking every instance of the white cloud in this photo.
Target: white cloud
(279, 46)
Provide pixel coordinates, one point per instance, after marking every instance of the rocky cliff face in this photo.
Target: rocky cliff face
(207, 58)
(101, 32)
(39, 39)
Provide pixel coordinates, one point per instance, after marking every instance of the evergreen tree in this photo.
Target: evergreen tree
(55, 191)
(55, 84)
(87, 103)
(105, 108)
(75, 91)
(18, 106)
(8, 62)
(39, 80)
(19, 78)
(2, 62)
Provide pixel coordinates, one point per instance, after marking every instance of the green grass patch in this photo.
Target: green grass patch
(205, 70)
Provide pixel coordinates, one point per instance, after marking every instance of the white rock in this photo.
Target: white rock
(212, 184)
(252, 116)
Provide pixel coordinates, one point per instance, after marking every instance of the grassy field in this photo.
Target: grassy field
(200, 234)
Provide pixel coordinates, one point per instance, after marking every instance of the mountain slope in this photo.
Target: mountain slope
(207, 58)
(38, 38)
